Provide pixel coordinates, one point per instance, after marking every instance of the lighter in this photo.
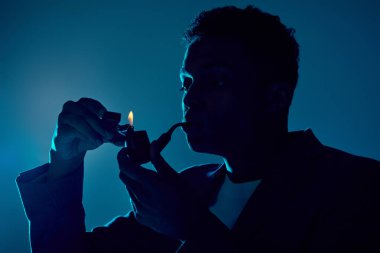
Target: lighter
(137, 142)
(111, 121)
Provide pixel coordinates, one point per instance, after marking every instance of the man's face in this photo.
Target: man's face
(221, 99)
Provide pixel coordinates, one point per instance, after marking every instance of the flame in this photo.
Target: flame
(130, 118)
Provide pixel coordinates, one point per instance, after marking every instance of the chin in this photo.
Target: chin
(201, 145)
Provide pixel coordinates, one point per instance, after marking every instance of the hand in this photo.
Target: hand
(79, 128)
(161, 199)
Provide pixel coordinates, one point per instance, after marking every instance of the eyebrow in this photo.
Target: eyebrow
(210, 65)
(184, 73)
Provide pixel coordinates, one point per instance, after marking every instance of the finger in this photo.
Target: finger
(93, 105)
(90, 116)
(133, 205)
(142, 211)
(81, 126)
(136, 207)
(140, 194)
(134, 188)
(125, 162)
(134, 170)
(162, 167)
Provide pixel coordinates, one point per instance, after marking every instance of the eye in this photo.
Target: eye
(218, 83)
(218, 77)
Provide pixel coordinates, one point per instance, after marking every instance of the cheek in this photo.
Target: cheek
(221, 114)
(214, 132)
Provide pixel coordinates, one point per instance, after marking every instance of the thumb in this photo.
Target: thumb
(162, 167)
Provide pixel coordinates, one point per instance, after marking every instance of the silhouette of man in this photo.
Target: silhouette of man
(277, 191)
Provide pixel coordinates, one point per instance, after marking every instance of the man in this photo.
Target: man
(275, 192)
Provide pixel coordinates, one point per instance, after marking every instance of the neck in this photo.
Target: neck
(250, 161)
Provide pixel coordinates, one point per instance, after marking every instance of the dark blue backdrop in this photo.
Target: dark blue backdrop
(127, 54)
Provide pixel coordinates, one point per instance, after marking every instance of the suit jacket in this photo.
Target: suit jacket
(312, 198)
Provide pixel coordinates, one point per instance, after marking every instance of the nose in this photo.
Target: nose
(192, 98)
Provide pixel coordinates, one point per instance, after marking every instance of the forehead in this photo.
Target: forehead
(215, 51)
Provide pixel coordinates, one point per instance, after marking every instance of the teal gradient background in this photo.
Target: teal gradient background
(127, 54)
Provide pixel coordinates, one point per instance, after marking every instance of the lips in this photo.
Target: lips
(191, 125)
(193, 121)
(186, 127)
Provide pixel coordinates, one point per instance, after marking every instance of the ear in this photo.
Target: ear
(278, 97)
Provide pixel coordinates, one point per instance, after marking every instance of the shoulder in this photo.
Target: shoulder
(334, 178)
(347, 180)
(332, 161)
(339, 163)
(346, 193)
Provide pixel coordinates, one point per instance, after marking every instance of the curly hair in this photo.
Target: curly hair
(271, 43)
